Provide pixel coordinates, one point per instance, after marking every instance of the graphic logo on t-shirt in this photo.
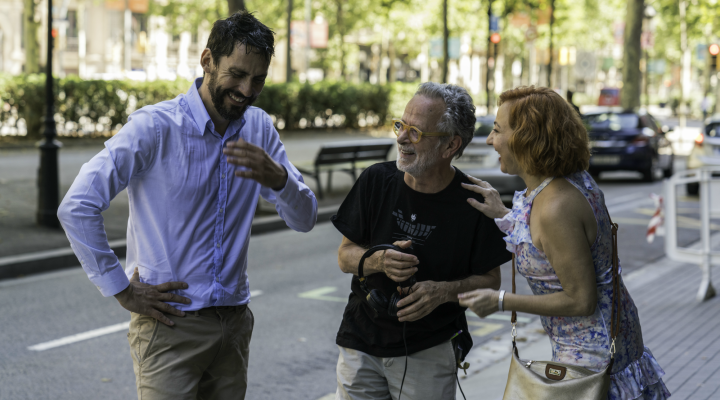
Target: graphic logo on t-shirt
(417, 232)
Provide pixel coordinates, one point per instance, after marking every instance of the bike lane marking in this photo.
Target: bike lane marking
(79, 337)
(321, 294)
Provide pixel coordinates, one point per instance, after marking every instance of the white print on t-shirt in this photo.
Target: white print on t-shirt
(417, 232)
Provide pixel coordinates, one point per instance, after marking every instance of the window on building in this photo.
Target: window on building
(139, 32)
(116, 25)
(72, 31)
(72, 28)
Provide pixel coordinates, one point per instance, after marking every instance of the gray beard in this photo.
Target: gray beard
(421, 164)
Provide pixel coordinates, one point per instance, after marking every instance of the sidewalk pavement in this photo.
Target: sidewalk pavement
(27, 248)
(682, 333)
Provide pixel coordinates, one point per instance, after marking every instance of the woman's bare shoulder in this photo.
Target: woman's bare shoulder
(561, 202)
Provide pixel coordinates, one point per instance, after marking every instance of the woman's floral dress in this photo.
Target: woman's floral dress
(585, 341)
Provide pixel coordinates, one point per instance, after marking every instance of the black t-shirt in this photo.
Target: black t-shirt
(451, 240)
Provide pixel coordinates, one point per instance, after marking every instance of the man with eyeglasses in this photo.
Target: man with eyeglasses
(418, 204)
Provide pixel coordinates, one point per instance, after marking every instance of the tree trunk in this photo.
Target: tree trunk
(391, 56)
(446, 37)
(235, 6)
(508, 61)
(341, 32)
(630, 93)
(288, 59)
(30, 32)
(552, 23)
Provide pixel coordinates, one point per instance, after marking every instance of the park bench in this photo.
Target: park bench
(349, 157)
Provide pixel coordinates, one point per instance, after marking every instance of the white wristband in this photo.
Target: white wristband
(500, 300)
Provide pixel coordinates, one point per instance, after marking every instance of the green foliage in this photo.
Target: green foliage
(82, 107)
(702, 24)
(333, 104)
(24, 97)
(188, 15)
(96, 107)
(400, 95)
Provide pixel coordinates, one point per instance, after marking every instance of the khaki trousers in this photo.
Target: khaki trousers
(204, 356)
(430, 375)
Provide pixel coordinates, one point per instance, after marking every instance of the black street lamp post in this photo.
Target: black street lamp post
(48, 176)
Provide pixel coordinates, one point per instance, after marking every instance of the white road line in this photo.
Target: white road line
(628, 205)
(96, 333)
(80, 337)
(629, 197)
(498, 317)
(321, 294)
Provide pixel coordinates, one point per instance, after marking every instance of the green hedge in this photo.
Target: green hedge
(97, 107)
(83, 107)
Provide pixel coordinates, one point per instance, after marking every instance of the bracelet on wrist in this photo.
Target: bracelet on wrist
(501, 299)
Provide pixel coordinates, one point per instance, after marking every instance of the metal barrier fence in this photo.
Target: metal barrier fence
(709, 180)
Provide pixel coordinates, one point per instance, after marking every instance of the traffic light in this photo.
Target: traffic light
(495, 38)
(713, 49)
(54, 34)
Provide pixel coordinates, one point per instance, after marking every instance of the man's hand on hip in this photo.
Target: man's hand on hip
(425, 296)
(151, 300)
(260, 166)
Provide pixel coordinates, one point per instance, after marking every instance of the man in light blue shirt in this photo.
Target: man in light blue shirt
(193, 167)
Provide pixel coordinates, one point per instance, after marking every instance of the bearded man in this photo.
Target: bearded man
(194, 167)
(418, 204)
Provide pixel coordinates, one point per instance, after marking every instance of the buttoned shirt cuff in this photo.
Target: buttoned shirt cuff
(112, 282)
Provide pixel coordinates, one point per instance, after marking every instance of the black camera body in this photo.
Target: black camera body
(376, 298)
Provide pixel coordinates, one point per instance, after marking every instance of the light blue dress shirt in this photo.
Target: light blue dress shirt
(190, 216)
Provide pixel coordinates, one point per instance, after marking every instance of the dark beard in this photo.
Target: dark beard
(218, 94)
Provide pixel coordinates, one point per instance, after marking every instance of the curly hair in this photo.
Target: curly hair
(548, 139)
(459, 115)
(240, 28)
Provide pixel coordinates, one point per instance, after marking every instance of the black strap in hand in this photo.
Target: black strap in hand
(367, 254)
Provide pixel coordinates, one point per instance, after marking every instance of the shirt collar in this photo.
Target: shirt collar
(197, 108)
(201, 116)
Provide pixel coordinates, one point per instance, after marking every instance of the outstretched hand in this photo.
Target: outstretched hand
(151, 300)
(260, 167)
(493, 206)
(482, 302)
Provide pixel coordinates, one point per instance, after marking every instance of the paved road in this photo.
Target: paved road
(298, 309)
(297, 314)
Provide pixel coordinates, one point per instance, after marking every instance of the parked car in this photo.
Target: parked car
(625, 140)
(609, 97)
(706, 150)
(482, 161)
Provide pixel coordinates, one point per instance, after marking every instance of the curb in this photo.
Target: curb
(53, 260)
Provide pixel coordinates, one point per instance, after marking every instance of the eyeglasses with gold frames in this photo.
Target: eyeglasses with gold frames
(414, 134)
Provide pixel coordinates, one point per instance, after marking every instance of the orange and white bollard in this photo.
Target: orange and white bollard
(655, 227)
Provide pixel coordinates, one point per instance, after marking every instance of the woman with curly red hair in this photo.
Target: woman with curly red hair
(564, 246)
